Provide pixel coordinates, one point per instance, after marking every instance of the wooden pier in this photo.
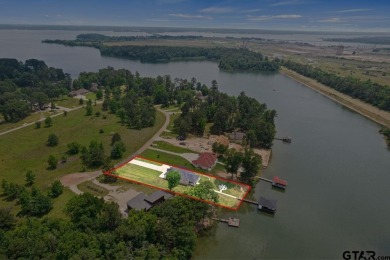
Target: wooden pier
(232, 222)
(264, 179)
(284, 139)
(249, 201)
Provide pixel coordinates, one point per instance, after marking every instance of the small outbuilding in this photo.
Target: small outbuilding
(145, 202)
(78, 92)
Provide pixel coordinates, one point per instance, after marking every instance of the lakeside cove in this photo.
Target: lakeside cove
(373, 113)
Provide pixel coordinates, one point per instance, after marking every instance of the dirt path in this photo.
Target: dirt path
(72, 180)
(375, 114)
(40, 120)
(116, 193)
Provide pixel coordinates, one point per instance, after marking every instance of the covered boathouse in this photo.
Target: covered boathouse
(267, 205)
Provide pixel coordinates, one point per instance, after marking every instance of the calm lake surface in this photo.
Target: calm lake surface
(337, 167)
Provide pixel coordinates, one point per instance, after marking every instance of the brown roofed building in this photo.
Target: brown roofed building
(205, 161)
(78, 92)
(221, 139)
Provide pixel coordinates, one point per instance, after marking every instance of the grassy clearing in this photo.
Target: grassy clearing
(169, 159)
(26, 148)
(91, 96)
(168, 135)
(142, 174)
(170, 147)
(96, 190)
(68, 102)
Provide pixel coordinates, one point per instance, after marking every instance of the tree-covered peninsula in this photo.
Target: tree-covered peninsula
(229, 59)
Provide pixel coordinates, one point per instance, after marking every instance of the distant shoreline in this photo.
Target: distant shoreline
(379, 116)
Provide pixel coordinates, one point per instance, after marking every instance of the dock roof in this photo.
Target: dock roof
(268, 203)
(277, 180)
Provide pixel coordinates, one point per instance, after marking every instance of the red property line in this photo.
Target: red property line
(109, 173)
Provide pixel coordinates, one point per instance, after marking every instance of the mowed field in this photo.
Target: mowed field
(26, 148)
(151, 177)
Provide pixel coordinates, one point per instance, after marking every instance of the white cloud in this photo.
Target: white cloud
(273, 17)
(217, 10)
(331, 20)
(190, 16)
(353, 10)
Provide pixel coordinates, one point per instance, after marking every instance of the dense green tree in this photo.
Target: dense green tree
(99, 94)
(251, 164)
(88, 109)
(204, 190)
(94, 155)
(233, 161)
(52, 140)
(48, 121)
(73, 148)
(56, 189)
(52, 161)
(173, 178)
(115, 137)
(37, 125)
(84, 209)
(30, 178)
(7, 219)
(117, 150)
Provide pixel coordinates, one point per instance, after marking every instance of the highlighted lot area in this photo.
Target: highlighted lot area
(207, 188)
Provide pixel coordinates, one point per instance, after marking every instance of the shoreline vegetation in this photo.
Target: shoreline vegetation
(229, 59)
(375, 114)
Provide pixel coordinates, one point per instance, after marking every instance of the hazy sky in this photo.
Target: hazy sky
(340, 15)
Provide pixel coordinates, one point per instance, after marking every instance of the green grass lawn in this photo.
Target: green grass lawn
(26, 148)
(68, 102)
(91, 96)
(172, 148)
(169, 159)
(142, 175)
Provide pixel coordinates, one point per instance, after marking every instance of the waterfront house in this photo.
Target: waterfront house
(205, 161)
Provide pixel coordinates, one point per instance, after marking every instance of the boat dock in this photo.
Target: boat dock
(276, 182)
(264, 179)
(232, 222)
(249, 201)
(284, 139)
